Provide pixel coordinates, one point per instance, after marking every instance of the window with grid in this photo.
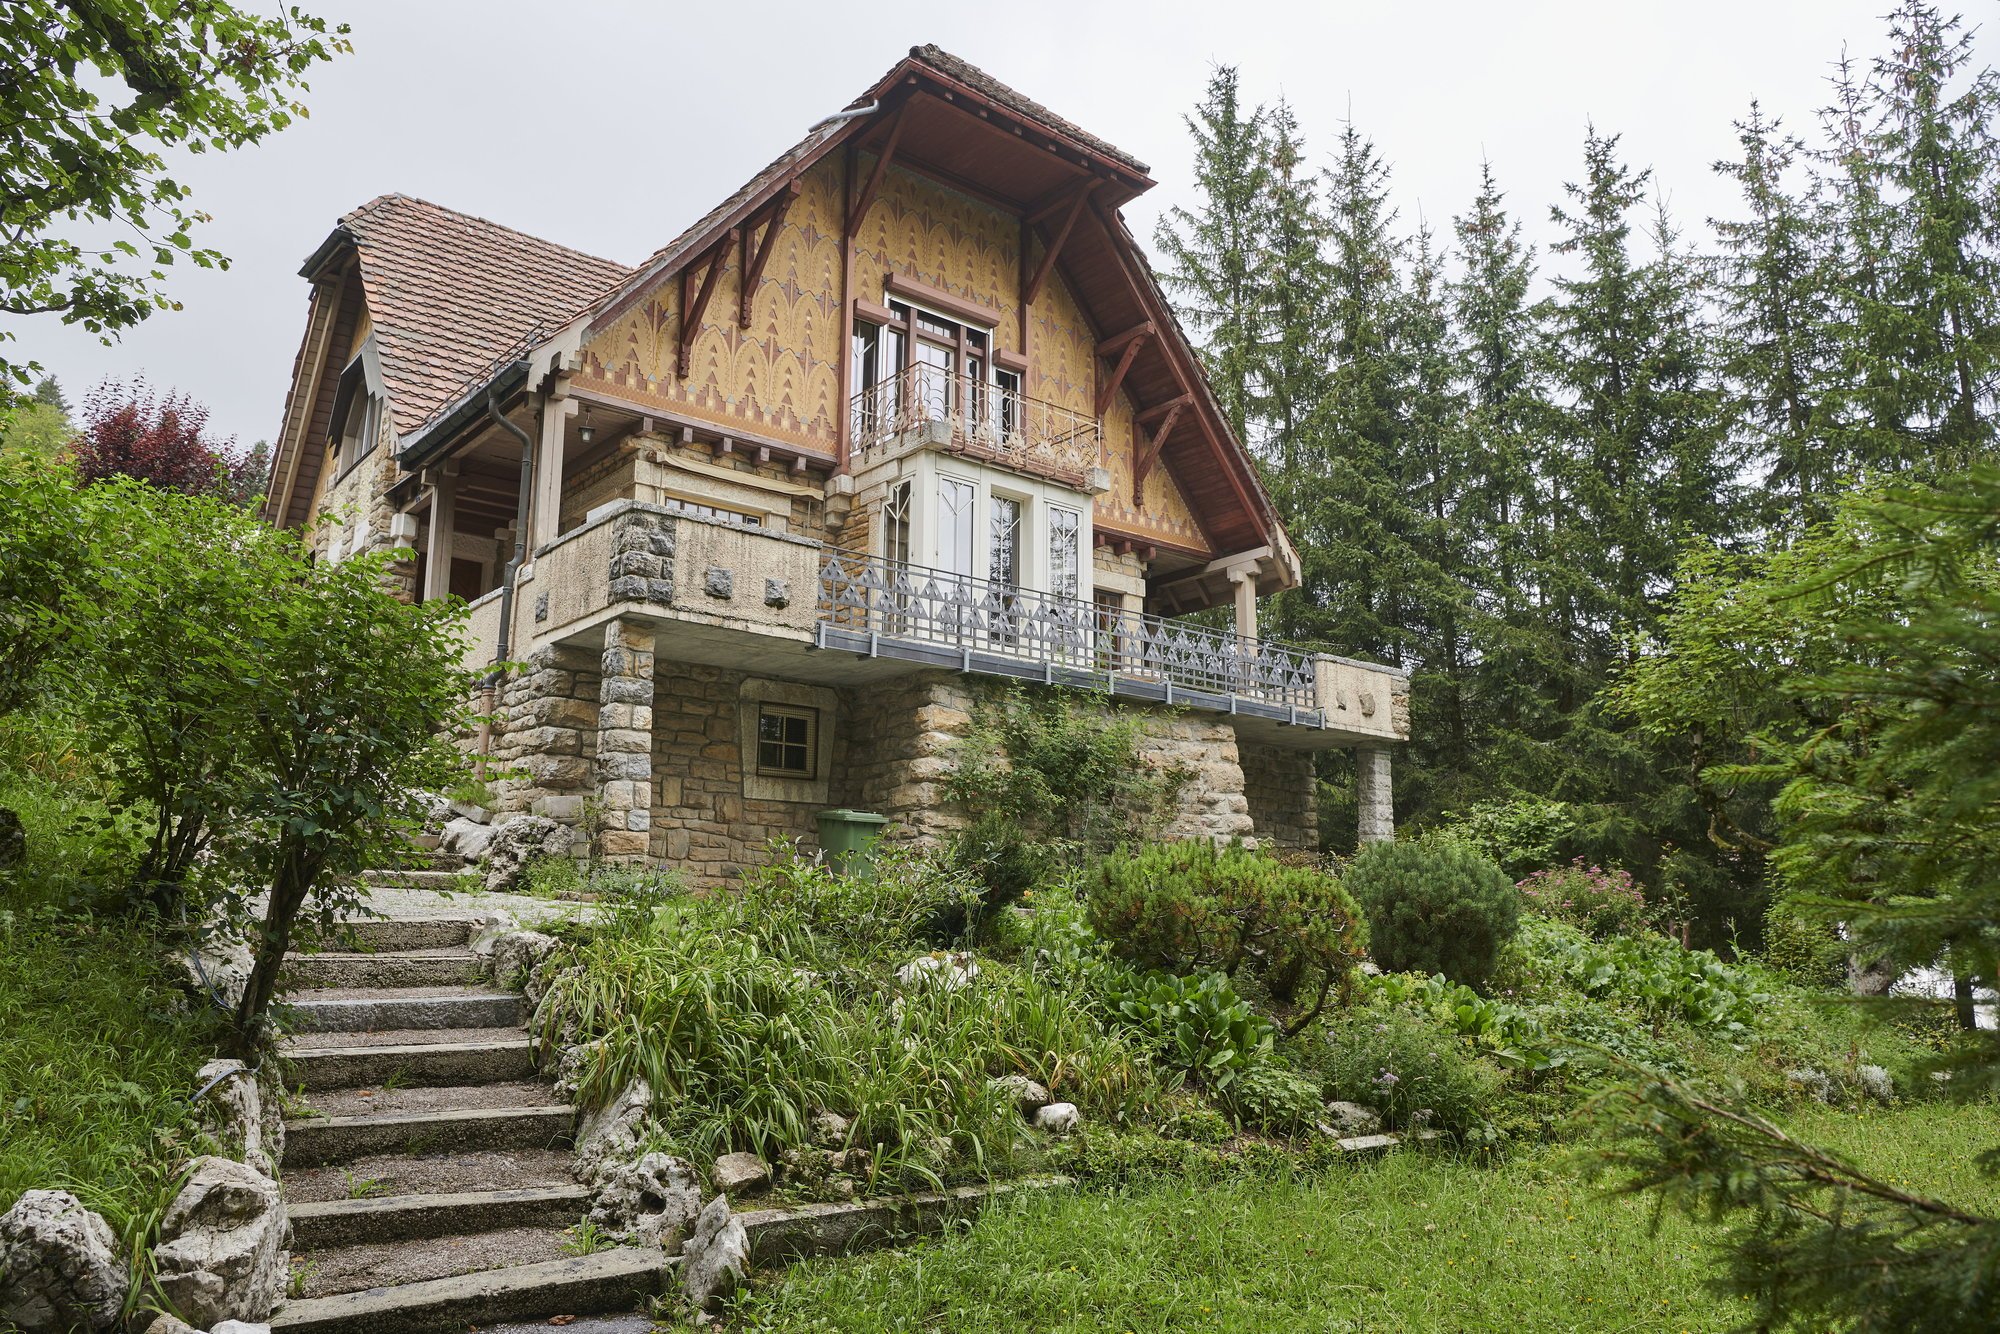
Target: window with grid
(786, 739)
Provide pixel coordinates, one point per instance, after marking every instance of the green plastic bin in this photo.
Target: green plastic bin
(848, 839)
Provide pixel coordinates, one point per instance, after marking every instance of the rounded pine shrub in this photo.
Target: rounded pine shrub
(1434, 907)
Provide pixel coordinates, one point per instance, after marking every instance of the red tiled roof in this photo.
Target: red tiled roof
(450, 294)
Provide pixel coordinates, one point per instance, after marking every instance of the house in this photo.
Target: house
(905, 414)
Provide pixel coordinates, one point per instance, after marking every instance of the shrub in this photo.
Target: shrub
(907, 900)
(1523, 834)
(1276, 1101)
(1434, 907)
(1198, 1025)
(1401, 1064)
(1805, 946)
(1190, 907)
(1593, 900)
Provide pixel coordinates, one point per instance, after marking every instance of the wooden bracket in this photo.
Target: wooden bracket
(1147, 453)
(695, 304)
(1048, 264)
(752, 265)
(882, 161)
(1108, 390)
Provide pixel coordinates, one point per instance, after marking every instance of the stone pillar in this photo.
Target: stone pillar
(625, 743)
(1376, 820)
(444, 518)
(1246, 602)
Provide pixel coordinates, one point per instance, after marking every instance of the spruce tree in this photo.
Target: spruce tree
(1292, 355)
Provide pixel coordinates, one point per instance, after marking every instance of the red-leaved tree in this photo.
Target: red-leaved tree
(162, 440)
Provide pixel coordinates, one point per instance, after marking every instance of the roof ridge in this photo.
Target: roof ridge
(397, 196)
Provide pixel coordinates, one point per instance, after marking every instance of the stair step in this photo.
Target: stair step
(321, 1140)
(335, 1010)
(612, 1280)
(456, 1173)
(492, 1061)
(389, 934)
(364, 1265)
(415, 968)
(413, 878)
(406, 1217)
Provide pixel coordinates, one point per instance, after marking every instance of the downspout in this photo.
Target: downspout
(491, 684)
(852, 113)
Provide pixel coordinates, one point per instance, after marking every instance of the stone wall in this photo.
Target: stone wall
(545, 734)
(1282, 787)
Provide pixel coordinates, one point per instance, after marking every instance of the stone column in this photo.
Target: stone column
(545, 522)
(1376, 820)
(1246, 602)
(625, 743)
(444, 519)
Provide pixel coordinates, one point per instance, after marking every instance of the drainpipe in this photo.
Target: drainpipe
(491, 684)
(853, 113)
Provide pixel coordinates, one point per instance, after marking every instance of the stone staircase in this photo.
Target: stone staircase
(429, 1184)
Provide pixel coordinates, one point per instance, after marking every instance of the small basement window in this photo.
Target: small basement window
(787, 737)
(707, 511)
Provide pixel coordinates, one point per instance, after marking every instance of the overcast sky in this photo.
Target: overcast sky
(610, 126)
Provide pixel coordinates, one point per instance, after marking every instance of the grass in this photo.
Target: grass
(1413, 1244)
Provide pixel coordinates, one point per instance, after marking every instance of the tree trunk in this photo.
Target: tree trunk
(1962, 1002)
(288, 893)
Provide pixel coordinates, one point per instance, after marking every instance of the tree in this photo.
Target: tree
(1888, 823)
(1290, 381)
(95, 92)
(1215, 251)
(50, 394)
(129, 431)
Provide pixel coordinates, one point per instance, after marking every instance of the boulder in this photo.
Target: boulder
(520, 842)
(1815, 1084)
(59, 1266)
(1351, 1118)
(240, 1327)
(173, 1324)
(1876, 1083)
(612, 1133)
(222, 1249)
(1058, 1118)
(516, 954)
(1029, 1096)
(219, 967)
(741, 1174)
(950, 971)
(830, 1130)
(13, 839)
(235, 1116)
(653, 1201)
(716, 1259)
(467, 837)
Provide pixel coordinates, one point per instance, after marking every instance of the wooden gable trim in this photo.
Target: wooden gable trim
(1109, 389)
(883, 158)
(1054, 248)
(695, 306)
(752, 266)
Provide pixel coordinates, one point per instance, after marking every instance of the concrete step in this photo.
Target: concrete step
(613, 1280)
(358, 1009)
(320, 1140)
(388, 934)
(412, 878)
(325, 1065)
(409, 968)
(407, 1217)
(456, 1173)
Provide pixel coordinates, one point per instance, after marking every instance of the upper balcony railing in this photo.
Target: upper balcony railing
(892, 609)
(978, 419)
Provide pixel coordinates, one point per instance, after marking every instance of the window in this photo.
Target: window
(1003, 566)
(956, 536)
(1064, 524)
(706, 511)
(878, 357)
(896, 524)
(786, 738)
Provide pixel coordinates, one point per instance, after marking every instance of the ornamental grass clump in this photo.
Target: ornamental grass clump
(1434, 907)
(1598, 902)
(1190, 908)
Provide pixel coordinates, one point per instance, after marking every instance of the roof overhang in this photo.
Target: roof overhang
(428, 444)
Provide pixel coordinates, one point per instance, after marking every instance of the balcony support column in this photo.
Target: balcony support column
(443, 525)
(1245, 588)
(545, 525)
(1376, 809)
(625, 742)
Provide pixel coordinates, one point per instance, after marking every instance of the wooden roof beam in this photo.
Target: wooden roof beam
(1054, 248)
(1108, 391)
(695, 304)
(752, 266)
(1148, 452)
(882, 161)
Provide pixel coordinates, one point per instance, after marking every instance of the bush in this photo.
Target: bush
(1199, 1026)
(1524, 835)
(1276, 1101)
(1188, 907)
(1401, 1064)
(1804, 946)
(1595, 901)
(906, 901)
(1434, 907)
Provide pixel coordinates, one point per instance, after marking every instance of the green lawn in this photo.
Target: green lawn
(1414, 1243)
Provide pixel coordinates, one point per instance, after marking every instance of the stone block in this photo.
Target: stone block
(627, 690)
(719, 582)
(621, 843)
(626, 764)
(667, 790)
(624, 740)
(639, 820)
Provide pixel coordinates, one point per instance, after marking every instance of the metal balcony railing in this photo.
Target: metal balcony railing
(983, 421)
(888, 608)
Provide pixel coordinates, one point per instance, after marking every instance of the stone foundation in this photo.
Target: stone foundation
(545, 734)
(1282, 787)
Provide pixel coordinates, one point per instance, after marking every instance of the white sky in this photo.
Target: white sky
(610, 125)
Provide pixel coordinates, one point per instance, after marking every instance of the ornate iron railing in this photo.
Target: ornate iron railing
(983, 421)
(978, 618)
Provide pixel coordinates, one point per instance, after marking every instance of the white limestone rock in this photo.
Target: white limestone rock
(1351, 1118)
(1876, 1083)
(235, 1115)
(1029, 1096)
(716, 1259)
(467, 837)
(240, 1327)
(219, 967)
(59, 1266)
(523, 840)
(613, 1133)
(830, 1130)
(222, 1249)
(653, 1201)
(173, 1324)
(741, 1174)
(950, 971)
(1058, 1118)
(516, 954)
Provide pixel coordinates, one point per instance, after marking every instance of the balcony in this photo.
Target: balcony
(887, 609)
(926, 405)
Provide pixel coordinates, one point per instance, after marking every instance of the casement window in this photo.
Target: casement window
(896, 523)
(1065, 560)
(707, 511)
(950, 365)
(957, 543)
(787, 740)
(358, 407)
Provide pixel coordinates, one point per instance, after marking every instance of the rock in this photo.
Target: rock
(653, 1201)
(1814, 1083)
(1058, 1118)
(830, 1130)
(13, 839)
(950, 971)
(59, 1266)
(434, 807)
(235, 1115)
(170, 1324)
(523, 840)
(1351, 1118)
(467, 837)
(1029, 1096)
(219, 968)
(516, 955)
(612, 1133)
(741, 1174)
(716, 1259)
(1876, 1083)
(240, 1327)
(222, 1250)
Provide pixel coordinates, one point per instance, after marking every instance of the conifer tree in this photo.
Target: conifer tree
(1292, 355)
